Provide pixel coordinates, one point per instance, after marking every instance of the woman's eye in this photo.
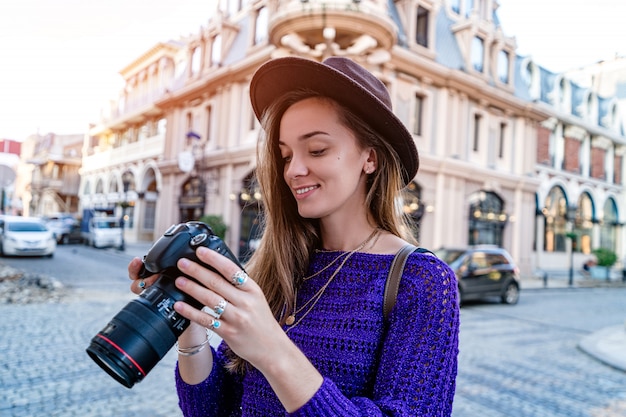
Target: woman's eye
(287, 158)
(318, 152)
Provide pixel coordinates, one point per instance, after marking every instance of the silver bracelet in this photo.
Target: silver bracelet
(190, 351)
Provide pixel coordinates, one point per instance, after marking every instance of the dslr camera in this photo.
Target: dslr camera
(140, 335)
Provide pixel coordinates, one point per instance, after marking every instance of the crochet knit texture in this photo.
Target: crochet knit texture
(406, 367)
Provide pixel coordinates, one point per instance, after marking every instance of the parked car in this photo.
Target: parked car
(25, 236)
(61, 226)
(483, 271)
(104, 232)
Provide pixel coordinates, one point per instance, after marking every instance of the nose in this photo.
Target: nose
(296, 167)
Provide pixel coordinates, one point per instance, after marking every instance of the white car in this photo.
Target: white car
(25, 236)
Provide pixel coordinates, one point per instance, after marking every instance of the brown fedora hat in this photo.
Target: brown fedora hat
(346, 82)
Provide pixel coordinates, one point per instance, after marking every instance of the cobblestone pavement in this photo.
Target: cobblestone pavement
(512, 362)
(523, 368)
(45, 371)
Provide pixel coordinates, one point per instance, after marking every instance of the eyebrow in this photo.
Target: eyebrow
(306, 136)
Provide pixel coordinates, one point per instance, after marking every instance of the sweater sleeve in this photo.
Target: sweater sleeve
(218, 395)
(418, 362)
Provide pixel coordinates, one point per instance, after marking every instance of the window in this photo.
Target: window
(455, 5)
(610, 226)
(216, 51)
(260, 27)
(412, 206)
(476, 138)
(421, 31)
(196, 58)
(478, 54)
(503, 67)
(502, 140)
(161, 124)
(583, 224)
(555, 217)
(469, 7)
(418, 115)
(209, 114)
(486, 219)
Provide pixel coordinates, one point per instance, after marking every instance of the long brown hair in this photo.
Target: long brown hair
(288, 239)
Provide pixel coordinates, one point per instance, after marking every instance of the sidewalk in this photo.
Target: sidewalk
(607, 345)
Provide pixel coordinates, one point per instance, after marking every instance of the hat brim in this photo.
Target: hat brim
(279, 76)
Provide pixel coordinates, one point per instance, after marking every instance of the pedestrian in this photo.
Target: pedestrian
(304, 333)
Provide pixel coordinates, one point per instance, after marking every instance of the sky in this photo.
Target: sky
(60, 59)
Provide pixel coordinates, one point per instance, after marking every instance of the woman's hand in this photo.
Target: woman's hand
(246, 323)
(138, 284)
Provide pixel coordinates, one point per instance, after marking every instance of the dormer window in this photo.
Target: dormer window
(196, 57)
(469, 7)
(455, 5)
(503, 67)
(261, 26)
(478, 54)
(216, 51)
(421, 31)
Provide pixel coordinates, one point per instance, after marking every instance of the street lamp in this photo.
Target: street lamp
(571, 217)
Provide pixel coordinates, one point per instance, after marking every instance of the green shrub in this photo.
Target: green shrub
(605, 257)
(216, 223)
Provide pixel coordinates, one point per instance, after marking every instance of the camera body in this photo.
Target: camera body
(140, 335)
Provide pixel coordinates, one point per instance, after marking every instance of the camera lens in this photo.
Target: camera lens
(140, 335)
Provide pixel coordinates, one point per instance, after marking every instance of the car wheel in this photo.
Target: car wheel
(511, 294)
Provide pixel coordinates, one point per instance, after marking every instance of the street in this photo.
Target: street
(517, 360)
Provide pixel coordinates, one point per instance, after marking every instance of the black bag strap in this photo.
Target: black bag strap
(395, 274)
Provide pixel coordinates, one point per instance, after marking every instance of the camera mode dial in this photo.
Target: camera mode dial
(198, 239)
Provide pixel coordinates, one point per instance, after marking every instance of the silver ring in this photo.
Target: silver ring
(142, 284)
(239, 278)
(219, 308)
(215, 323)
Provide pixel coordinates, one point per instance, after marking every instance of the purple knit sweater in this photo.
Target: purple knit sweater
(408, 370)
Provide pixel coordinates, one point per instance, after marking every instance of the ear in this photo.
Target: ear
(371, 163)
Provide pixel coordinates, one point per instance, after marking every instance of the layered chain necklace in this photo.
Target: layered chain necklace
(308, 306)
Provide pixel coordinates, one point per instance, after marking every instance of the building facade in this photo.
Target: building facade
(181, 140)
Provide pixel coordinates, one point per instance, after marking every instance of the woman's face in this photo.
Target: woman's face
(324, 166)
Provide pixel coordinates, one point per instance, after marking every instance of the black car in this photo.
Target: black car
(483, 272)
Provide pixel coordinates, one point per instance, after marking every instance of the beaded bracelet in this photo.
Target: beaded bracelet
(190, 351)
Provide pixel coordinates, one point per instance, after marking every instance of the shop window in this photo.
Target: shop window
(555, 217)
(412, 206)
(487, 219)
(610, 226)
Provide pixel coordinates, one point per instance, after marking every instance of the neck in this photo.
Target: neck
(344, 240)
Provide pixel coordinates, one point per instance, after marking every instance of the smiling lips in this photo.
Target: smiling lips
(304, 190)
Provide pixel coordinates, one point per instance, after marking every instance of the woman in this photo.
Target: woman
(306, 336)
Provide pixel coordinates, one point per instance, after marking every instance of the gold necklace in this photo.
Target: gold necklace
(291, 319)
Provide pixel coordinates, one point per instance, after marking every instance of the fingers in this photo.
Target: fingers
(139, 284)
(134, 267)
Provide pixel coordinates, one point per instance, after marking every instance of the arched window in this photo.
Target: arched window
(610, 223)
(99, 187)
(583, 224)
(251, 212)
(192, 200)
(486, 219)
(412, 206)
(555, 214)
